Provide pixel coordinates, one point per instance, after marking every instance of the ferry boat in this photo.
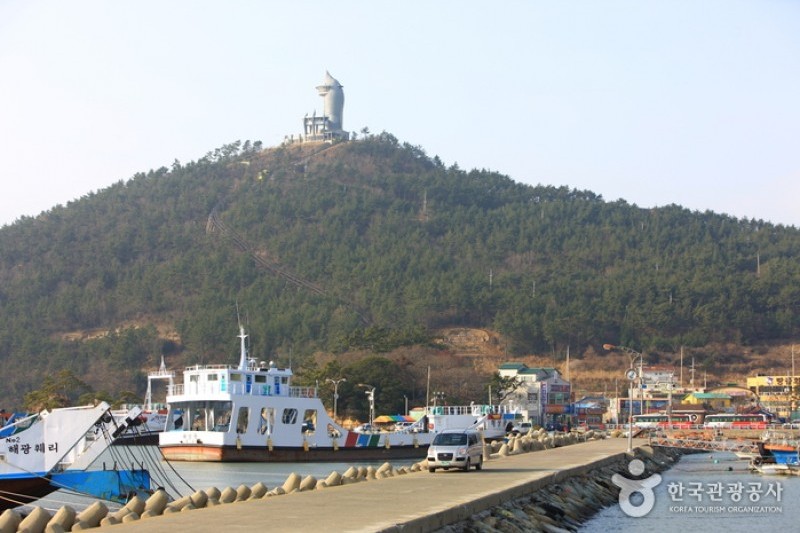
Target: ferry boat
(153, 418)
(53, 449)
(252, 412)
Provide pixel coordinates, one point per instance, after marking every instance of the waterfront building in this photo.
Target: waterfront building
(656, 379)
(655, 392)
(543, 396)
(777, 393)
(714, 401)
(590, 410)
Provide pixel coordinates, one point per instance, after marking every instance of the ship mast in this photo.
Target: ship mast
(242, 349)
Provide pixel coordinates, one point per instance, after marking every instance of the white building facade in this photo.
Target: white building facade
(543, 396)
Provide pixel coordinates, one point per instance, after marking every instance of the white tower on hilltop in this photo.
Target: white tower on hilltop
(328, 126)
(333, 95)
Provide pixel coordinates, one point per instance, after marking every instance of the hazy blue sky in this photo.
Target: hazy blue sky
(690, 102)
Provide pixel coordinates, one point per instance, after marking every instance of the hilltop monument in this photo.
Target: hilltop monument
(328, 126)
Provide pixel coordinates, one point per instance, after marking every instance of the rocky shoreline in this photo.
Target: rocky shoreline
(566, 504)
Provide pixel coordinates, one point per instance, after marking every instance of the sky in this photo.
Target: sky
(687, 102)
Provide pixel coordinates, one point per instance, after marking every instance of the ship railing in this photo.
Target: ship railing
(486, 409)
(303, 392)
(450, 410)
(252, 389)
(211, 367)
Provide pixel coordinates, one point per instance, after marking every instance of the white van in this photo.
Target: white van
(456, 448)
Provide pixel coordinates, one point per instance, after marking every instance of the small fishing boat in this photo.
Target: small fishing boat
(770, 468)
(783, 453)
(779, 454)
(252, 412)
(53, 449)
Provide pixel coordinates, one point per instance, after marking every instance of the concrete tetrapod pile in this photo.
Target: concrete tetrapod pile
(565, 504)
(40, 520)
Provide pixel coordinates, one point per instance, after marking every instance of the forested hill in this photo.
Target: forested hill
(370, 244)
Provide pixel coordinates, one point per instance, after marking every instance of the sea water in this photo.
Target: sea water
(708, 493)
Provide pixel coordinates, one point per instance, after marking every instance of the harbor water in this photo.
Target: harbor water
(710, 492)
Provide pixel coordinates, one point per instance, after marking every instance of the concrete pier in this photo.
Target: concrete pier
(414, 502)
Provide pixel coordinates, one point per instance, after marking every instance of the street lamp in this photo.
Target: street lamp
(371, 395)
(632, 375)
(335, 393)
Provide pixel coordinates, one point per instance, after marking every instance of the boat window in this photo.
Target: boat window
(289, 416)
(236, 377)
(266, 420)
(193, 377)
(261, 379)
(212, 377)
(209, 416)
(242, 420)
(223, 421)
(309, 421)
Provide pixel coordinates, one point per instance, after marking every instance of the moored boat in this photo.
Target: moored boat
(783, 453)
(252, 412)
(54, 448)
(153, 418)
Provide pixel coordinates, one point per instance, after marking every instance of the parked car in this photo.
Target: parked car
(456, 448)
(522, 428)
(365, 428)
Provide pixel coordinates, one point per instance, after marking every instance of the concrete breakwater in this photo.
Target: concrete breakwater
(564, 504)
(142, 512)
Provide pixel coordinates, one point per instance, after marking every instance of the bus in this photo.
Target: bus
(731, 421)
(661, 420)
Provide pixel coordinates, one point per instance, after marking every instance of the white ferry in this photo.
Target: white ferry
(252, 412)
